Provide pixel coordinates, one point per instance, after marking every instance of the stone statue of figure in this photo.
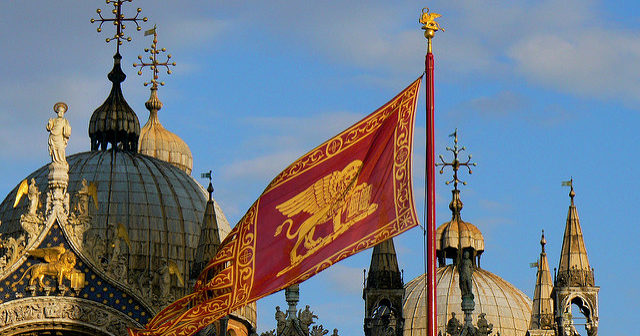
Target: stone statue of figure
(83, 199)
(281, 320)
(34, 197)
(59, 133)
(306, 317)
(484, 327)
(466, 279)
(453, 326)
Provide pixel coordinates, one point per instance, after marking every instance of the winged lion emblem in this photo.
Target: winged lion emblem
(429, 20)
(59, 263)
(326, 200)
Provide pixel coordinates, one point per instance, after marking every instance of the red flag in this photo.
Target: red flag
(344, 196)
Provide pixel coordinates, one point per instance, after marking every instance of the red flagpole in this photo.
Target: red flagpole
(430, 27)
(431, 201)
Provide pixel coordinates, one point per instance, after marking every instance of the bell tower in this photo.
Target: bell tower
(383, 293)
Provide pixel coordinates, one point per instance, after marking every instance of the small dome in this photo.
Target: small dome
(504, 305)
(448, 237)
(158, 142)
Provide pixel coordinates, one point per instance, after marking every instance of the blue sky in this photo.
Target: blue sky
(539, 90)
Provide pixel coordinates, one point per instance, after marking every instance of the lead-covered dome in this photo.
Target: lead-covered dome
(504, 305)
(160, 206)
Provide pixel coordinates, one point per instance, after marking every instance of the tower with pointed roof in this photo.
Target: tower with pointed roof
(575, 283)
(383, 293)
(542, 314)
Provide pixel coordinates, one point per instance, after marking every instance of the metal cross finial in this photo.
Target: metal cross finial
(153, 57)
(118, 21)
(455, 164)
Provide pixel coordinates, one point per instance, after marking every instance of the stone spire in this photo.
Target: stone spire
(574, 269)
(383, 292)
(209, 240)
(574, 283)
(542, 310)
(383, 271)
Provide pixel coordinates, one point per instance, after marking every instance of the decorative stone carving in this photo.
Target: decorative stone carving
(306, 318)
(14, 249)
(281, 319)
(575, 278)
(57, 196)
(484, 327)
(296, 322)
(453, 325)
(80, 218)
(57, 310)
(319, 330)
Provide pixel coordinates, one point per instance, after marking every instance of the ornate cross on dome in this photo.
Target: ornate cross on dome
(455, 164)
(153, 57)
(118, 21)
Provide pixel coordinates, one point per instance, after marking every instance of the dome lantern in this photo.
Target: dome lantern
(456, 236)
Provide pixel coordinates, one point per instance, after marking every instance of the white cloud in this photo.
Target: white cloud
(593, 62)
(259, 168)
(344, 279)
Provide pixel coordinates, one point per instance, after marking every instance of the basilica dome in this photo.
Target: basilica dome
(160, 206)
(504, 305)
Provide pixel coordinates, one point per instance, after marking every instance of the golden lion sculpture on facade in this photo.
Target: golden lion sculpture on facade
(58, 263)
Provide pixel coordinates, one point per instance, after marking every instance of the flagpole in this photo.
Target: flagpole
(430, 27)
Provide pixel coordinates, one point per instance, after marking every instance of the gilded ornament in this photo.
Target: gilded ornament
(59, 264)
(428, 20)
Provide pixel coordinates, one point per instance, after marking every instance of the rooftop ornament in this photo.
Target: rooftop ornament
(154, 64)
(118, 21)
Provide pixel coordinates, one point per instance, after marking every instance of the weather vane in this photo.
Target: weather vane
(456, 164)
(206, 175)
(118, 21)
(153, 57)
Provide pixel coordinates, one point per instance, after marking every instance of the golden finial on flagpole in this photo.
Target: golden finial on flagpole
(429, 25)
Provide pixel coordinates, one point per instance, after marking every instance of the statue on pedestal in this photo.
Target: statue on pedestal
(59, 133)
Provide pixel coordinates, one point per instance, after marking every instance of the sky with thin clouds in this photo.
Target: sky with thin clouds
(540, 91)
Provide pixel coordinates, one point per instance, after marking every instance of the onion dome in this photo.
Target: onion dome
(158, 142)
(114, 122)
(456, 232)
(505, 306)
